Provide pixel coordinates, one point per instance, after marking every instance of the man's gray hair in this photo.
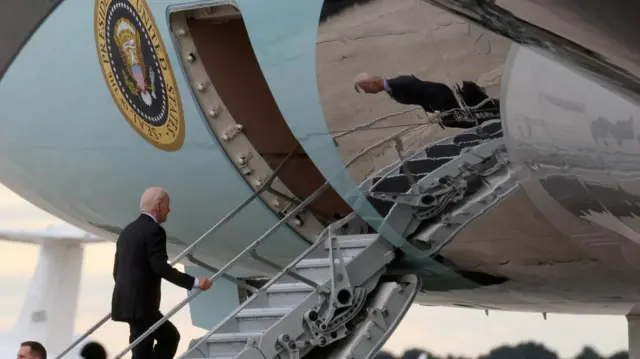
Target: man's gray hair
(151, 198)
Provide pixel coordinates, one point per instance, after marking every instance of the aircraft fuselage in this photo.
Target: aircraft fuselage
(205, 99)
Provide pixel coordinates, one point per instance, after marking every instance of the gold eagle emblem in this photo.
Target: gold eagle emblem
(138, 81)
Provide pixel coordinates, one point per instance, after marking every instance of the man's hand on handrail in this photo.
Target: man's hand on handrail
(204, 283)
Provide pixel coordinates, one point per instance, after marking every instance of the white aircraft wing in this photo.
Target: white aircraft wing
(61, 232)
(49, 310)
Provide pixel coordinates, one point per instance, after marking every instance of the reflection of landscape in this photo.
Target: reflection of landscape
(528, 350)
(391, 38)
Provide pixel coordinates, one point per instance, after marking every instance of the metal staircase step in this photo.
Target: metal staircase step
(444, 150)
(282, 295)
(360, 241)
(233, 337)
(315, 269)
(437, 155)
(289, 288)
(394, 184)
(315, 263)
(351, 245)
(467, 137)
(492, 128)
(424, 166)
(219, 356)
(260, 319)
(229, 344)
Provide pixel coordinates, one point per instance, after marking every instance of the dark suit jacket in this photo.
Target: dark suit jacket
(140, 264)
(435, 96)
(431, 96)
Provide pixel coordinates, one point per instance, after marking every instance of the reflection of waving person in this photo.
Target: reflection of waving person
(431, 96)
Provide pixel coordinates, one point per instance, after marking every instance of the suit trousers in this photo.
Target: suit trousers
(166, 336)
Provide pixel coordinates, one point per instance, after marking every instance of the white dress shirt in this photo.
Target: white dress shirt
(387, 88)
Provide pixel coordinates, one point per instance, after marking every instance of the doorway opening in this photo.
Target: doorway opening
(250, 126)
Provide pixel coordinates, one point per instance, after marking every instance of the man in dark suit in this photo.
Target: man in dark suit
(432, 96)
(140, 264)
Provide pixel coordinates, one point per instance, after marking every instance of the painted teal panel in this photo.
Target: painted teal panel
(210, 307)
(285, 45)
(65, 147)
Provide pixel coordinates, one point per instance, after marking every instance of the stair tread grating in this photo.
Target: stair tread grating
(493, 127)
(318, 262)
(466, 137)
(264, 312)
(395, 184)
(233, 337)
(424, 166)
(289, 288)
(354, 241)
(450, 150)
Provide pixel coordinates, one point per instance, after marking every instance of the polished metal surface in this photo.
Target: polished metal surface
(599, 37)
(570, 106)
(391, 38)
(566, 76)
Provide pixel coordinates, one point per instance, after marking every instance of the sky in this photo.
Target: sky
(440, 330)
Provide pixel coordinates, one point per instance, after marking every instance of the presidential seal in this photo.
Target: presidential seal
(137, 71)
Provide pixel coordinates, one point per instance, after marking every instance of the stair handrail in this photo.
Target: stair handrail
(372, 122)
(346, 132)
(193, 245)
(230, 278)
(401, 133)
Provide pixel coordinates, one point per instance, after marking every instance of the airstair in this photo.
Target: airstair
(338, 298)
(337, 291)
(438, 190)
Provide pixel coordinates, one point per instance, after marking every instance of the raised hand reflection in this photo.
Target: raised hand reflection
(469, 109)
